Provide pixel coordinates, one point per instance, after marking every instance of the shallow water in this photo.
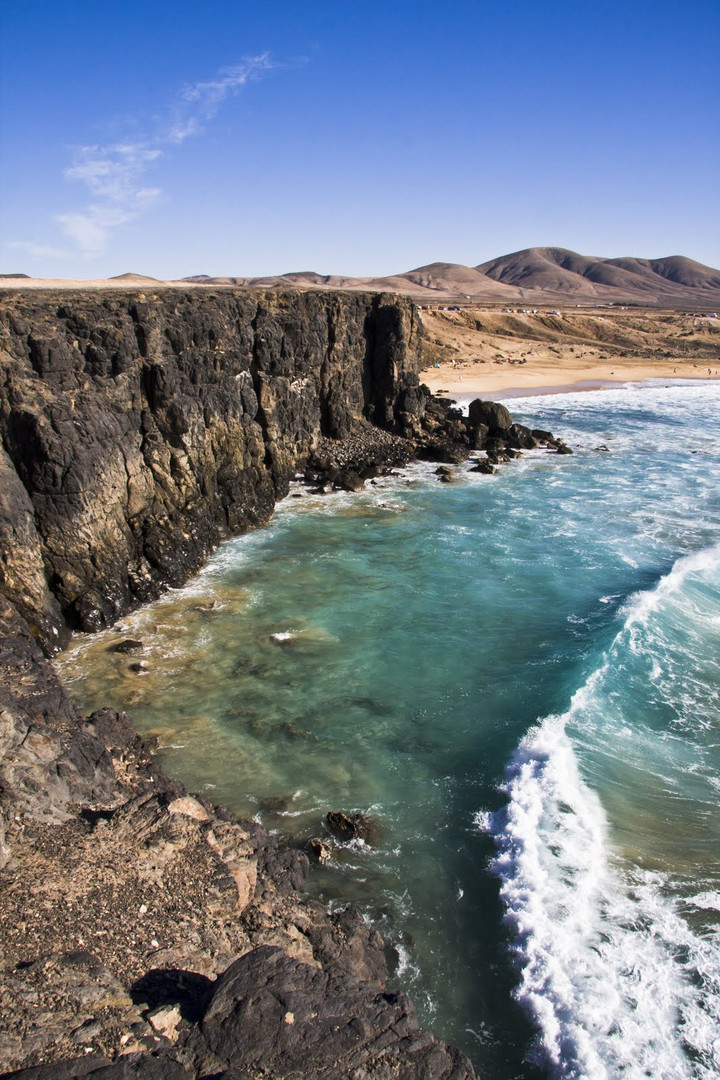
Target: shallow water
(517, 677)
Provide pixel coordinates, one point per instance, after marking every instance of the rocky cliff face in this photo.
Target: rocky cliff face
(146, 932)
(138, 430)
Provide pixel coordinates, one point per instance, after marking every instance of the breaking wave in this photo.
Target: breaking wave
(614, 972)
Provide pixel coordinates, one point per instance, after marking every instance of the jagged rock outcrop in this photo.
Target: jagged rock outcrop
(137, 431)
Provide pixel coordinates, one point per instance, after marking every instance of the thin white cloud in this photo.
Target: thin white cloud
(113, 173)
(210, 94)
(90, 227)
(183, 129)
(200, 101)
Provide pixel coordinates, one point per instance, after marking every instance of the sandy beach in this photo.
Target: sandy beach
(487, 380)
(491, 353)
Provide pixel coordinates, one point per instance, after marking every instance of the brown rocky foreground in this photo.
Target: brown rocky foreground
(145, 931)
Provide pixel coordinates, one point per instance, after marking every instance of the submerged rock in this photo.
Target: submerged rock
(128, 645)
(354, 826)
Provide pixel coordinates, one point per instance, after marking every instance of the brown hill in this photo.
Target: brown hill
(454, 277)
(560, 273)
(537, 276)
(133, 279)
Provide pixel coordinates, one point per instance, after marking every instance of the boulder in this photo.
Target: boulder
(489, 413)
(348, 480)
(319, 850)
(273, 1016)
(445, 450)
(478, 435)
(521, 437)
(447, 474)
(485, 466)
(545, 438)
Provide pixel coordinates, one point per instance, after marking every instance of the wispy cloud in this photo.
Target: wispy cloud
(211, 94)
(113, 174)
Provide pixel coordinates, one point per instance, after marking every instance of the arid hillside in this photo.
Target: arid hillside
(536, 276)
(533, 277)
(495, 350)
(487, 334)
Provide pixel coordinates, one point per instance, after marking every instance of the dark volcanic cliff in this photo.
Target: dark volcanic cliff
(139, 430)
(147, 933)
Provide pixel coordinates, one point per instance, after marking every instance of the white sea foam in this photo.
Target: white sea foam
(483, 821)
(406, 969)
(617, 981)
(705, 900)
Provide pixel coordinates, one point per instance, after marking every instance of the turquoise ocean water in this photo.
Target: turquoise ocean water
(518, 678)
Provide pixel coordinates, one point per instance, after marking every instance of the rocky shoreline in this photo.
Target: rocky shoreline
(146, 932)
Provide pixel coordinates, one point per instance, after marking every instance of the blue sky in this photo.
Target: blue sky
(175, 138)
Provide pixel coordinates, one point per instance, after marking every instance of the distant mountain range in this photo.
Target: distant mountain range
(536, 276)
(539, 275)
